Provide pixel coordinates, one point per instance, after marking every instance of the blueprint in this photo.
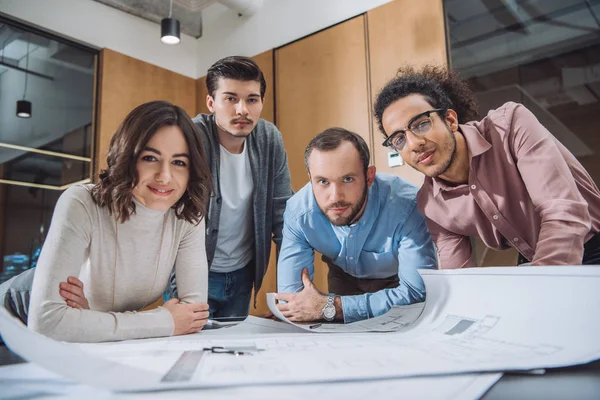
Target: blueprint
(32, 382)
(475, 320)
(396, 319)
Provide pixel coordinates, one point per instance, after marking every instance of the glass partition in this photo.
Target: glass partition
(46, 134)
(544, 54)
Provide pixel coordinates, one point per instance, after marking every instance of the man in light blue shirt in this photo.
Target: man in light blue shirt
(366, 225)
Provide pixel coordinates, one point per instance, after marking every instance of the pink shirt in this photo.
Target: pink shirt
(525, 190)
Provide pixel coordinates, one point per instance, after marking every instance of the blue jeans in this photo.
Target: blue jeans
(229, 293)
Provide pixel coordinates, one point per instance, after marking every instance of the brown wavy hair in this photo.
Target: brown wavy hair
(114, 189)
(442, 88)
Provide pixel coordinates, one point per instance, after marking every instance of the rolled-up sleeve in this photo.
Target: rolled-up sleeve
(296, 253)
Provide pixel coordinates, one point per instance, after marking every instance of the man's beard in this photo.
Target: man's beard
(343, 221)
(449, 144)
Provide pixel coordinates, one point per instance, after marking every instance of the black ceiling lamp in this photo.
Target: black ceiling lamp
(24, 106)
(169, 29)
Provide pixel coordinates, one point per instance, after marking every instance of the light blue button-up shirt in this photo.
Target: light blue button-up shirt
(390, 238)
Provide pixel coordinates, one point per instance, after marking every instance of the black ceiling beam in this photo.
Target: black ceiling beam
(27, 71)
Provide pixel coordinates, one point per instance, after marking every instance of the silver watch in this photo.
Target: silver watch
(329, 309)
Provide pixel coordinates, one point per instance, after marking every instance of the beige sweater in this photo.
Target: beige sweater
(81, 242)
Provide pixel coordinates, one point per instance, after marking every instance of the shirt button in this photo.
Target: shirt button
(495, 217)
(350, 235)
(473, 187)
(352, 258)
(515, 239)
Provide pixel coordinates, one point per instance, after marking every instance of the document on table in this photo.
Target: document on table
(32, 382)
(396, 319)
(474, 320)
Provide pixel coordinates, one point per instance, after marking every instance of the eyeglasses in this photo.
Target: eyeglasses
(419, 125)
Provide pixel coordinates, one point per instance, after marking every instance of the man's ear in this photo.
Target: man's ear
(371, 175)
(210, 103)
(452, 120)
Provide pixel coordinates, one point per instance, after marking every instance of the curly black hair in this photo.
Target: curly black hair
(441, 88)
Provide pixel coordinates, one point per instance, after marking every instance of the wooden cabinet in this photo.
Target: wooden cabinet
(125, 83)
(321, 82)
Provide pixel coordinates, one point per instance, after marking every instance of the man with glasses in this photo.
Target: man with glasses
(366, 225)
(504, 178)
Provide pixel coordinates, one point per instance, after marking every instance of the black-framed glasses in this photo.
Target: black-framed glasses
(420, 124)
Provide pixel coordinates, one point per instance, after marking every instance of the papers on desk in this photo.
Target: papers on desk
(474, 320)
(397, 319)
(28, 381)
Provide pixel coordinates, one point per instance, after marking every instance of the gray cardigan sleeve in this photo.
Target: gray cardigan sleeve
(282, 190)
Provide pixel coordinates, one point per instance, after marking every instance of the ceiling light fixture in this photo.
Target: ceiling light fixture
(24, 106)
(169, 29)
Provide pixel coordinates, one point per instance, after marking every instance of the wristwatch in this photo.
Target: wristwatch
(329, 309)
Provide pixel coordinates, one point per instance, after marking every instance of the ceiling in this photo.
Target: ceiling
(187, 12)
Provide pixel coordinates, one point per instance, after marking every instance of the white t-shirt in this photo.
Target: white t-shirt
(235, 239)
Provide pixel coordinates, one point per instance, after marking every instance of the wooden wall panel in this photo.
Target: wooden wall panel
(321, 83)
(201, 93)
(265, 62)
(125, 83)
(402, 32)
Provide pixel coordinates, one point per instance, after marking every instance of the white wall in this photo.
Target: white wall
(102, 26)
(276, 23)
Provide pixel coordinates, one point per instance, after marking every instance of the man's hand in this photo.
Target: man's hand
(306, 305)
(72, 292)
(188, 318)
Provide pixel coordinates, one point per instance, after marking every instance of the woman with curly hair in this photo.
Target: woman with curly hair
(120, 238)
(503, 178)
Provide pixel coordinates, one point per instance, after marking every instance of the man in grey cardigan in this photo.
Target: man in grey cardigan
(251, 185)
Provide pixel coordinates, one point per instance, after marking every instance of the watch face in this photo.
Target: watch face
(329, 313)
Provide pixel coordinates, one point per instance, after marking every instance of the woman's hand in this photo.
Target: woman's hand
(188, 318)
(72, 292)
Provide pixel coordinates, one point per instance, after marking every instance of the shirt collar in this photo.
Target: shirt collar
(476, 145)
